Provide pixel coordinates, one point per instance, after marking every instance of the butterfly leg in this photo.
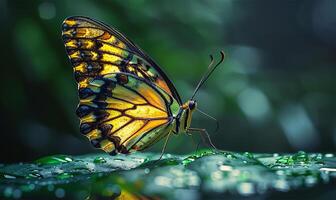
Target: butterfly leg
(195, 143)
(164, 146)
(202, 132)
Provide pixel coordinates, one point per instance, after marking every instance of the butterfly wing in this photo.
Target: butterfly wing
(96, 49)
(126, 101)
(120, 112)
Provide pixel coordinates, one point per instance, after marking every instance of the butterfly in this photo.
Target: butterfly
(126, 102)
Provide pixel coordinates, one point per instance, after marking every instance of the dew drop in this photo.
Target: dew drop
(99, 160)
(249, 155)
(64, 175)
(8, 176)
(52, 160)
(329, 155)
(34, 174)
(147, 170)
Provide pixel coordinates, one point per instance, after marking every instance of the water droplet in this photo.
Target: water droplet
(91, 167)
(34, 174)
(99, 160)
(326, 169)
(230, 156)
(249, 155)
(52, 160)
(286, 160)
(170, 162)
(64, 175)
(147, 170)
(146, 160)
(8, 176)
(82, 169)
(188, 160)
(329, 155)
(319, 156)
(301, 158)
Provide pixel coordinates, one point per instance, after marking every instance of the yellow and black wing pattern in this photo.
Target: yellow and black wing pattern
(97, 49)
(126, 101)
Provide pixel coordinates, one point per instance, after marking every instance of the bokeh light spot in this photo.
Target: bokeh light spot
(298, 128)
(254, 103)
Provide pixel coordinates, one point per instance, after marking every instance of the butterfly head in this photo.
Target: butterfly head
(186, 110)
(186, 115)
(192, 105)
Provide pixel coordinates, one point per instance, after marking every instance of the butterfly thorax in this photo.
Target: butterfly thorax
(183, 119)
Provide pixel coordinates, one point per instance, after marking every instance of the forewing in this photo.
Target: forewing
(96, 49)
(117, 111)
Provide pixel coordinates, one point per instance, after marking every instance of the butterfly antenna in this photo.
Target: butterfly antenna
(210, 70)
(204, 75)
(211, 117)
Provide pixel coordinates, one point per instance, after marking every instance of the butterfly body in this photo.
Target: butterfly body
(127, 103)
(183, 118)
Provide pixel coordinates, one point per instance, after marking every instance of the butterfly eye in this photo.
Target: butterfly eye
(192, 105)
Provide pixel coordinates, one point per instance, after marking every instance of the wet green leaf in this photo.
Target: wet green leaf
(206, 173)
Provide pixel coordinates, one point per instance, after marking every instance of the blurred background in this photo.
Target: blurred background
(275, 91)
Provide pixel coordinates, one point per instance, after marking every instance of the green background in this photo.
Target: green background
(275, 91)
